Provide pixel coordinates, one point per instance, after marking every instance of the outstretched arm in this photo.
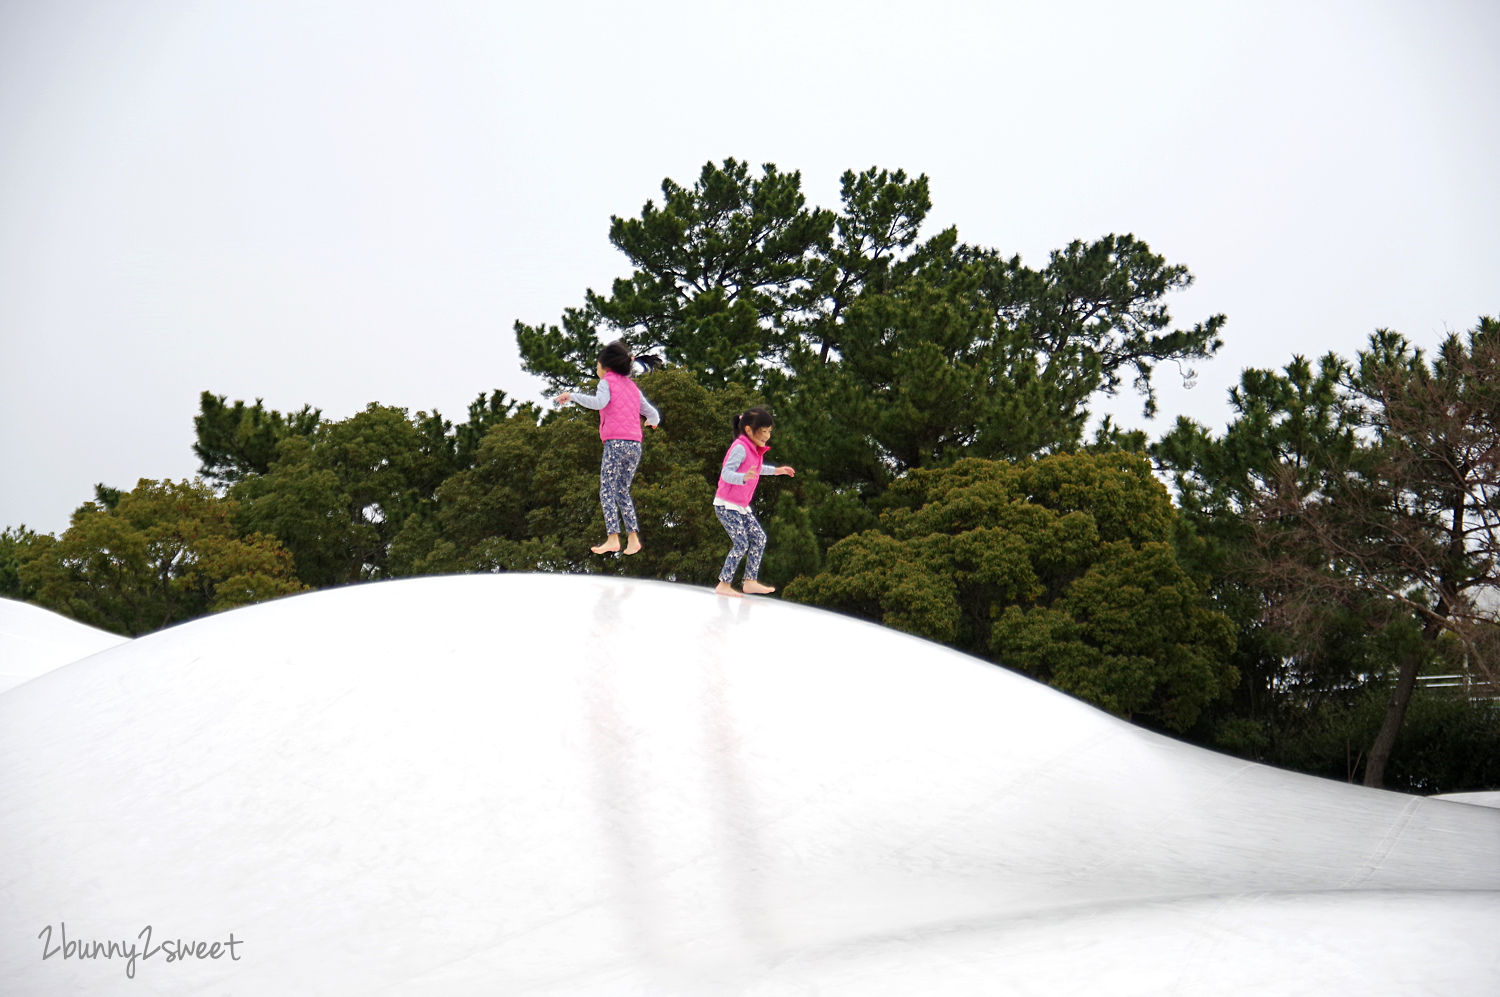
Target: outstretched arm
(597, 400)
(648, 411)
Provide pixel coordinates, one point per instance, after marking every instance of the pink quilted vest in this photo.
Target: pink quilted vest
(621, 418)
(742, 494)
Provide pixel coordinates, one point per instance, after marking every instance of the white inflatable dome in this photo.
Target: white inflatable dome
(1487, 799)
(33, 641)
(548, 785)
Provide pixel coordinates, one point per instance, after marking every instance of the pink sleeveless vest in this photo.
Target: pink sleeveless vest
(621, 418)
(742, 494)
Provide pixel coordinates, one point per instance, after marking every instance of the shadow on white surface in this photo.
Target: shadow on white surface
(542, 784)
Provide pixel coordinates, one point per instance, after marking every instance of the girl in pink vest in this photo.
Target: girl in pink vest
(743, 466)
(621, 407)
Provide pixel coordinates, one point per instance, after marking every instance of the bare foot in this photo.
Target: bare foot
(724, 588)
(634, 546)
(753, 587)
(610, 546)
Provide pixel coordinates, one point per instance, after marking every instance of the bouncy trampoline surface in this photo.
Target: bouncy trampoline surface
(33, 641)
(549, 785)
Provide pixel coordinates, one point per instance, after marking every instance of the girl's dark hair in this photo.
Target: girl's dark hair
(616, 357)
(758, 417)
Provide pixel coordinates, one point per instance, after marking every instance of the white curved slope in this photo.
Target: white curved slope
(555, 785)
(1483, 799)
(34, 641)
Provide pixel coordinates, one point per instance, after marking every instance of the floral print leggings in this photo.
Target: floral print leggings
(621, 457)
(747, 536)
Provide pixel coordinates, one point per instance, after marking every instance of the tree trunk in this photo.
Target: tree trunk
(1406, 682)
(1395, 714)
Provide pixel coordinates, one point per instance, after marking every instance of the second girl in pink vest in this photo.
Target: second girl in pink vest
(743, 466)
(621, 407)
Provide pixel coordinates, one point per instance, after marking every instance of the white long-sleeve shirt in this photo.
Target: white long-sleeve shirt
(600, 398)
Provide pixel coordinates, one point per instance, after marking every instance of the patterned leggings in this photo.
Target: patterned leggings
(746, 535)
(620, 460)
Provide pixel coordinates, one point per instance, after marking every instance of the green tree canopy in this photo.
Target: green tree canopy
(718, 269)
(927, 374)
(1097, 311)
(1063, 567)
(17, 546)
(239, 439)
(165, 552)
(337, 495)
(1357, 504)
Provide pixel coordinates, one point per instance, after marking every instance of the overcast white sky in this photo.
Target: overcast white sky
(345, 202)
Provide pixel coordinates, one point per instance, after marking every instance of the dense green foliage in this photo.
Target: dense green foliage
(1062, 567)
(239, 439)
(1333, 544)
(1352, 520)
(164, 552)
(1448, 742)
(17, 546)
(337, 495)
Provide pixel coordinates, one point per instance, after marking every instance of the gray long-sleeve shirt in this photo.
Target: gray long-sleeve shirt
(600, 398)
